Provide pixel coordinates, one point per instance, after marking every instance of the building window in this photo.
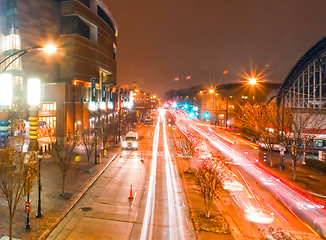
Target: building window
(13, 63)
(105, 17)
(85, 2)
(17, 83)
(49, 106)
(12, 42)
(50, 123)
(11, 4)
(73, 24)
(12, 21)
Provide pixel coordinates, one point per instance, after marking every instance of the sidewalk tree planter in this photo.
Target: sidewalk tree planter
(187, 149)
(207, 179)
(64, 156)
(88, 141)
(110, 129)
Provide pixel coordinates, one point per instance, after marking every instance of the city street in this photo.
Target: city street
(157, 209)
(263, 200)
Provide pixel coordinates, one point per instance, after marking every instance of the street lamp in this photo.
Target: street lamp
(39, 209)
(252, 81)
(48, 49)
(95, 152)
(33, 100)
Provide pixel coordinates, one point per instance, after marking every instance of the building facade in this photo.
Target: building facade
(305, 86)
(85, 34)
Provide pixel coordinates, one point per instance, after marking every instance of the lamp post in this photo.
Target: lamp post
(282, 166)
(28, 202)
(39, 209)
(95, 152)
(227, 113)
(33, 100)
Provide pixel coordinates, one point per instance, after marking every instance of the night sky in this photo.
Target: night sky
(172, 44)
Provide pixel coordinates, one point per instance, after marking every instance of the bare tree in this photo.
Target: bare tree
(65, 152)
(299, 128)
(88, 140)
(208, 182)
(293, 128)
(260, 120)
(17, 174)
(187, 150)
(110, 129)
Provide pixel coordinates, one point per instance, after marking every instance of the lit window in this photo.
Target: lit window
(13, 63)
(12, 42)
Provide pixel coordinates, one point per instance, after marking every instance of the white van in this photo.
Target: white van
(130, 141)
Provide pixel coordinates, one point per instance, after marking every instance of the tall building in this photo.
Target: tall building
(85, 34)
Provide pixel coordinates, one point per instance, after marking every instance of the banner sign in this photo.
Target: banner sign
(93, 89)
(103, 92)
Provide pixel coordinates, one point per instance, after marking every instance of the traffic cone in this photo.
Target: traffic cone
(130, 195)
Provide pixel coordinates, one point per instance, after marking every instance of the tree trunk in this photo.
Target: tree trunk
(11, 220)
(208, 209)
(189, 164)
(63, 184)
(270, 157)
(294, 169)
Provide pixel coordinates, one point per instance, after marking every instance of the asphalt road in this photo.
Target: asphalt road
(157, 210)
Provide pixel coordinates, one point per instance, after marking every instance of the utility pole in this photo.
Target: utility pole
(227, 113)
(120, 112)
(282, 167)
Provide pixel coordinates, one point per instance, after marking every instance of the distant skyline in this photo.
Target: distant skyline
(172, 44)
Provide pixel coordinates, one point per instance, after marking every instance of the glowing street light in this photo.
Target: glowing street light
(211, 90)
(50, 49)
(252, 81)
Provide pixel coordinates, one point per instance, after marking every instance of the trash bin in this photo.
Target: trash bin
(98, 159)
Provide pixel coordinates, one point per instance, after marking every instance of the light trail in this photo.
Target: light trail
(176, 218)
(297, 202)
(147, 228)
(176, 224)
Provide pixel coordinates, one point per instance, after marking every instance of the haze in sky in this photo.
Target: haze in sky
(171, 44)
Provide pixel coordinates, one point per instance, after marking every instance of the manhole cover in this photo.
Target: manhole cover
(86, 209)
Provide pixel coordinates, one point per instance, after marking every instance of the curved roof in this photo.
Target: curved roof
(313, 53)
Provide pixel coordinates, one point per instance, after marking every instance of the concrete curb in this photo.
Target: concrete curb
(79, 196)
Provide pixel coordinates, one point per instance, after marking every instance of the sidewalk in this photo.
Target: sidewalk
(53, 208)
